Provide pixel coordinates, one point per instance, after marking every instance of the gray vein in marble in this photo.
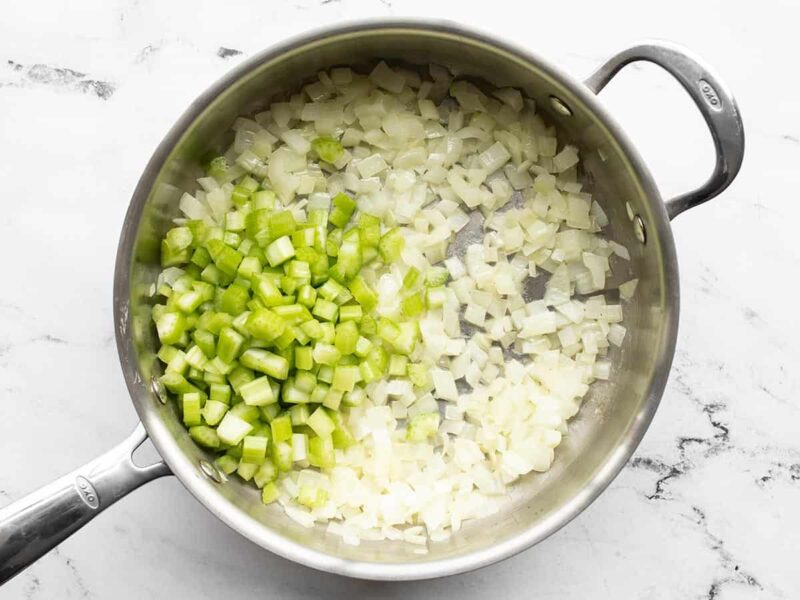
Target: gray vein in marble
(146, 52)
(791, 138)
(59, 77)
(790, 471)
(224, 52)
(718, 442)
(31, 587)
(84, 591)
(734, 573)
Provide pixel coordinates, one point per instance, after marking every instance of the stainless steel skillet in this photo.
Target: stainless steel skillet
(602, 437)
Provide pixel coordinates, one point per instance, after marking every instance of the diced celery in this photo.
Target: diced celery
(419, 374)
(398, 365)
(281, 428)
(320, 422)
(299, 414)
(306, 296)
(191, 409)
(269, 493)
(321, 452)
(303, 358)
(312, 497)
(363, 346)
(234, 300)
(266, 473)
(345, 378)
(391, 245)
(246, 470)
(254, 449)
(232, 429)
(326, 354)
(227, 464)
(170, 327)
(281, 455)
(229, 345)
(280, 251)
(266, 362)
(413, 305)
(265, 324)
(363, 294)
(213, 411)
(422, 426)
(327, 149)
(258, 392)
(343, 207)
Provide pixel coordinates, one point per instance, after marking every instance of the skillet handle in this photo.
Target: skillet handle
(712, 97)
(35, 524)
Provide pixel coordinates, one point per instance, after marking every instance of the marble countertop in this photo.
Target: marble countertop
(707, 508)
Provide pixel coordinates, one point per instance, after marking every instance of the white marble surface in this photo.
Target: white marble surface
(708, 506)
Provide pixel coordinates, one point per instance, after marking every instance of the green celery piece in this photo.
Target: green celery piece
(258, 392)
(217, 168)
(307, 296)
(170, 327)
(281, 428)
(246, 470)
(320, 422)
(345, 378)
(265, 324)
(305, 381)
(267, 291)
(201, 257)
(391, 245)
(245, 412)
(368, 325)
(326, 310)
(413, 305)
(419, 374)
(346, 337)
(280, 251)
(281, 223)
(398, 365)
(281, 455)
(266, 362)
(363, 294)
(363, 347)
(343, 207)
(249, 267)
(332, 399)
(266, 474)
(354, 398)
(422, 426)
(436, 276)
(227, 464)
(191, 404)
(341, 436)
(257, 221)
(213, 411)
(312, 328)
(234, 300)
(299, 414)
(370, 229)
(321, 452)
(229, 345)
(254, 449)
(326, 354)
(269, 493)
(327, 149)
(232, 429)
(312, 497)
(351, 312)
(204, 436)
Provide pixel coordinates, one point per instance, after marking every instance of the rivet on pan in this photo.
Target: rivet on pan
(639, 230)
(560, 106)
(211, 471)
(158, 390)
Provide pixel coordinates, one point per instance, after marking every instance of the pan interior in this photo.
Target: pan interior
(611, 420)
